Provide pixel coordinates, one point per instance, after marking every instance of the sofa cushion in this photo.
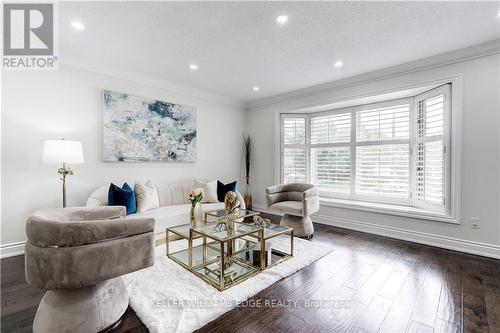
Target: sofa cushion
(288, 207)
(174, 193)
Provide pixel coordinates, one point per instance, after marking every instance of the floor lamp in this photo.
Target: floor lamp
(63, 152)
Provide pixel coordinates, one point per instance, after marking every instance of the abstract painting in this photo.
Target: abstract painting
(141, 129)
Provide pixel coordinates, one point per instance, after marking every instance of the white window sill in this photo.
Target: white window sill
(388, 209)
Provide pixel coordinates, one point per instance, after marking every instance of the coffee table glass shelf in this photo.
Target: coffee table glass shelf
(224, 258)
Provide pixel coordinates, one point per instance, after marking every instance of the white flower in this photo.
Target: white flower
(196, 194)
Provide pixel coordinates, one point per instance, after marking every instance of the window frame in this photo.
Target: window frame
(447, 209)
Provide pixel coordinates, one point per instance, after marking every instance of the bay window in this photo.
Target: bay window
(392, 152)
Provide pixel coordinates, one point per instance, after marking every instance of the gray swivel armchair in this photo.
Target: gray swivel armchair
(297, 201)
(78, 255)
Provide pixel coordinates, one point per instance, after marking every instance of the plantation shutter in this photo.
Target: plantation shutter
(330, 129)
(331, 152)
(383, 150)
(390, 152)
(430, 147)
(294, 149)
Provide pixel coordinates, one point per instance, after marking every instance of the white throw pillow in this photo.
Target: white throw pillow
(146, 196)
(210, 189)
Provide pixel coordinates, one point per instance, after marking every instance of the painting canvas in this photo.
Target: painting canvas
(141, 129)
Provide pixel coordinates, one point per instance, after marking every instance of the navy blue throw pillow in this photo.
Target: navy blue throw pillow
(222, 189)
(124, 196)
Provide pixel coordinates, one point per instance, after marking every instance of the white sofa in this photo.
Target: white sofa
(174, 205)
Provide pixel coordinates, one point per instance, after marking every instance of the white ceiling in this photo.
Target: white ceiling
(238, 45)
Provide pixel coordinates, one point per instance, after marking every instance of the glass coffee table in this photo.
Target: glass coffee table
(224, 258)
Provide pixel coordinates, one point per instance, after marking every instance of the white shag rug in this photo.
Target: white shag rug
(168, 298)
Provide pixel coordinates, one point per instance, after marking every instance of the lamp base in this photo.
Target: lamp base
(64, 171)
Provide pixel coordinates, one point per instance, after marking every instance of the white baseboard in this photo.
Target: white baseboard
(10, 250)
(461, 245)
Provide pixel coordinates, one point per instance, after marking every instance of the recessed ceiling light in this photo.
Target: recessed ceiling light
(77, 25)
(498, 15)
(281, 19)
(193, 67)
(338, 64)
(256, 88)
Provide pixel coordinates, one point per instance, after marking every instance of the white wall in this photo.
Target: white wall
(67, 103)
(480, 180)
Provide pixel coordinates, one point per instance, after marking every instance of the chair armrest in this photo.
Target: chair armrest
(82, 213)
(275, 189)
(310, 201)
(310, 205)
(312, 192)
(83, 225)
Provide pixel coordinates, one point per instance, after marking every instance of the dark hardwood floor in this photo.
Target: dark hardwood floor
(368, 284)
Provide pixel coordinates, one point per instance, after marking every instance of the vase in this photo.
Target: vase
(248, 195)
(196, 216)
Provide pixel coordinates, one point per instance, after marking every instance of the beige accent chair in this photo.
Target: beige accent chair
(78, 255)
(297, 201)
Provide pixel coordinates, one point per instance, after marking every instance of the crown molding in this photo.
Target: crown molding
(439, 60)
(121, 73)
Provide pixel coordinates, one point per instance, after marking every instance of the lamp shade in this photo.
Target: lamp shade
(62, 151)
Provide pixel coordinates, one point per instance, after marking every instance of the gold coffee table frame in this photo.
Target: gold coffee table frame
(217, 260)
